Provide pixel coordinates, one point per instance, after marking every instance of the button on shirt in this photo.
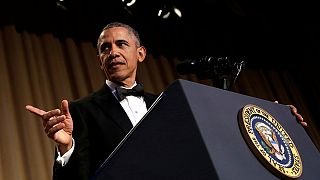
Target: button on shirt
(135, 107)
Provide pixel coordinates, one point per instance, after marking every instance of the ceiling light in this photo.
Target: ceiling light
(165, 11)
(129, 2)
(177, 11)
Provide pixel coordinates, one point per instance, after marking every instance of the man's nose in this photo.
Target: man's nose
(113, 53)
(113, 50)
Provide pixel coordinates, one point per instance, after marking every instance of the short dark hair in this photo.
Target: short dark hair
(129, 28)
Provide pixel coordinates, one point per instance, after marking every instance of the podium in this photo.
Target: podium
(192, 133)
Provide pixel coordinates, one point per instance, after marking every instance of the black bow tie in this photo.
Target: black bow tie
(135, 91)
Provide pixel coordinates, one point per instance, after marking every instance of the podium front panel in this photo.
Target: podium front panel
(192, 132)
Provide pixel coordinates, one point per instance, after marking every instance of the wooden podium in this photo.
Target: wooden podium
(192, 133)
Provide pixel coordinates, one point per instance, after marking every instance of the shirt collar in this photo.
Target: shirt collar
(113, 86)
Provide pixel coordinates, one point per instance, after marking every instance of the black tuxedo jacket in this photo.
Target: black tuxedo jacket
(99, 124)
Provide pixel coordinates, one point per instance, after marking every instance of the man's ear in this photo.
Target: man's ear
(142, 52)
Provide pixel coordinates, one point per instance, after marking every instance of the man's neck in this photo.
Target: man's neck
(122, 84)
(127, 83)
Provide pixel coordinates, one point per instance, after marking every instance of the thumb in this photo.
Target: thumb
(65, 108)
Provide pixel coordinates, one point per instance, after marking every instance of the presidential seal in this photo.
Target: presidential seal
(269, 141)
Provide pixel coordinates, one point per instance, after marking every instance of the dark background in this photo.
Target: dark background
(269, 34)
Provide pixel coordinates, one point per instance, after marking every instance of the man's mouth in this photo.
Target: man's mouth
(114, 65)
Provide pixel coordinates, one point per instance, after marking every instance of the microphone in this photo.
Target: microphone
(223, 68)
(191, 66)
(219, 65)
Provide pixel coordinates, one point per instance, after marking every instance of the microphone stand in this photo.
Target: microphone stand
(221, 70)
(226, 71)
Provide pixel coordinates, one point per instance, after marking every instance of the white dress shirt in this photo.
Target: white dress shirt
(135, 107)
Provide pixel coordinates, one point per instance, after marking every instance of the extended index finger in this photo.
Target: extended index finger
(36, 111)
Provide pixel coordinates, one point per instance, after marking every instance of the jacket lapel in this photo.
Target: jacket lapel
(149, 99)
(112, 108)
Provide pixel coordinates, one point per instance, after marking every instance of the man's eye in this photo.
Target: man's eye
(104, 47)
(121, 44)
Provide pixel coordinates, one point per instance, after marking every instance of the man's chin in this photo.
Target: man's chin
(116, 77)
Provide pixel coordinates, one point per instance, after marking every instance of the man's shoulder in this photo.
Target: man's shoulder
(88, 98)
(82, 100)
(81, 103)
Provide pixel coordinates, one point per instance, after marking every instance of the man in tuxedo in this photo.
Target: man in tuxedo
(87, 130)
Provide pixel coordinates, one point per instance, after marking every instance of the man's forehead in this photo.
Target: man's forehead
(117, 34)
(115, 31)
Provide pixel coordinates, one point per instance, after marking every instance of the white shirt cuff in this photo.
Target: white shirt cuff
(63, 160)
